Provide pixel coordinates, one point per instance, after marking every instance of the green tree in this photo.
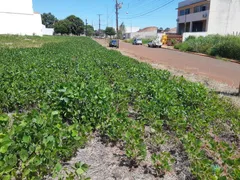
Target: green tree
(110, 31)
(76, 25)
(160, 29)
(167, 30)
(48, 20)
(90, 30)
(62, 27)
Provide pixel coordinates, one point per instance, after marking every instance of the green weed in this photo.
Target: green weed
(213, 45)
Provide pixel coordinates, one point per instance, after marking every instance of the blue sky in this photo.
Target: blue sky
(133, 12)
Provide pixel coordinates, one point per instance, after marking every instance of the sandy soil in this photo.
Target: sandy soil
(109, 162)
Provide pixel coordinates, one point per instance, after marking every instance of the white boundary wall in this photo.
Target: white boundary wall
(224, 17)
(47, 31)
(17, 17)
(196, 34)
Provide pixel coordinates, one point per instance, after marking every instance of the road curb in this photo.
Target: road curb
(201, 54)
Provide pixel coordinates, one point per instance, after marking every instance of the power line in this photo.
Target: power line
(112, 13)
(150, 10)
(136, 3)
(139, 4)
(147, 8)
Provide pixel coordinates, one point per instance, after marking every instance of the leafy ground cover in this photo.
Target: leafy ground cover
(52, 98)
(213, 45)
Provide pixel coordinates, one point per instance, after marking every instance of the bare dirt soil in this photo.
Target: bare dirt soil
(109, 162)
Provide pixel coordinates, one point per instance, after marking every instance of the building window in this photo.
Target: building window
(182, 13)
(203, 8)
(196, 9)
(200, 8)
(187, 11)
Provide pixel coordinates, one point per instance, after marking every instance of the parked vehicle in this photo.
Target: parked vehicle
(113, 43)
(155, 43)
(137, 41)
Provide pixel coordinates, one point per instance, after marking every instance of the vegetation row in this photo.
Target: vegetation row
(52, 98)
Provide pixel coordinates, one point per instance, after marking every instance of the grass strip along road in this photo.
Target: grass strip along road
(53, 97)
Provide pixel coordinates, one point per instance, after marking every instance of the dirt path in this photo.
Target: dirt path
(219, 70)
(176, 62)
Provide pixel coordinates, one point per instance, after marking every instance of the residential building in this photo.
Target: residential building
(148, 32)
(18, 17)
(131, 29)
(210, 16)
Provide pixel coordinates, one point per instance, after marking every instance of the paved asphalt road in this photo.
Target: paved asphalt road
(219, 70)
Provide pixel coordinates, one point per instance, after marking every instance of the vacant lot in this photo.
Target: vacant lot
(71, 98)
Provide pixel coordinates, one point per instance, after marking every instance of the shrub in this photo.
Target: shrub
(190, 37)
(145, 41)
(128, 40)
(185, 47)
(214, 45)
(177, 46)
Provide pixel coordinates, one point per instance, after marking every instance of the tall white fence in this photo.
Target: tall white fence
(47, 31)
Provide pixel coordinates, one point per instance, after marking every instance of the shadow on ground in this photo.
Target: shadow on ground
(228, 93)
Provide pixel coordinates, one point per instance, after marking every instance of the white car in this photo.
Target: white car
(137, 41)
(155, 43)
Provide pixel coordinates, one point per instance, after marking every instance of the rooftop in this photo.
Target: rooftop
(147, 29)
(189, 2)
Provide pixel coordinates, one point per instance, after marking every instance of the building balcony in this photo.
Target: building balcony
(199, 16)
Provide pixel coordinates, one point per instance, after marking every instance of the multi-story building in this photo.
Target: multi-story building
(210, 16)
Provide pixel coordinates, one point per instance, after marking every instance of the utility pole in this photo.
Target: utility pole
(117, 7)
(86, 27)
(99, 29)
